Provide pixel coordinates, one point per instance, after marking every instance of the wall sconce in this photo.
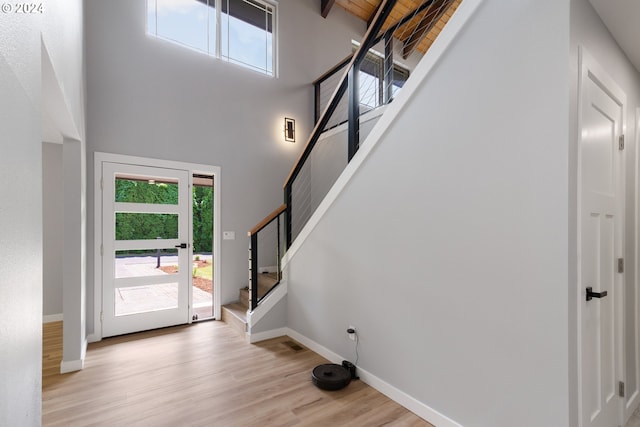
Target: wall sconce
(289, 130)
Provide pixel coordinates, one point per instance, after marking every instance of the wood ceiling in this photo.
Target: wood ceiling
(418, 33)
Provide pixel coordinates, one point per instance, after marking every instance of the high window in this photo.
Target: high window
(372, 79)
(237, 31)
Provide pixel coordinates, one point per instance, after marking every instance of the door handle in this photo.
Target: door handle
(591, 294)
(184, 246)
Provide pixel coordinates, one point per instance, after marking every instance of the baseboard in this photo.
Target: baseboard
(71, 366)
(49, 318)
(266, 335)
(268, 269)
(420, 409)
(312, 345)
(93, 338)
(75, 365)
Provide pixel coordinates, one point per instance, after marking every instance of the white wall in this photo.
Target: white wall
(152, 98)
(63, 104)
(588, 30)
(447, 250)
(20, 222)
(52, 228)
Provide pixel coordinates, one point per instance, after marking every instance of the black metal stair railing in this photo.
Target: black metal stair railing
(266, 248)
(350, 94)
(348, 80)
(356, 89)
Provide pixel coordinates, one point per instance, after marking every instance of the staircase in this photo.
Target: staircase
(338, 95)
(235, 313)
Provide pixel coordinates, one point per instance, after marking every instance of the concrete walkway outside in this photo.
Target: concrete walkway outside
(138, 299)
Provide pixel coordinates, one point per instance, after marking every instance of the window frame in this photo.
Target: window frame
(270, 7)
(377, 59)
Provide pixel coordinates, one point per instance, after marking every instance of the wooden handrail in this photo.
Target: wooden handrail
(262, 224)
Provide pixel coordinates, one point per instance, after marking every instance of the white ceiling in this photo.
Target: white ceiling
(622, 18)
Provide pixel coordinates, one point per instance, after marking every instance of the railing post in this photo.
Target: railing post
(287, 215)
(388, 68)
(254, 271)
(354, 110)
(278, 254)
(316, 98)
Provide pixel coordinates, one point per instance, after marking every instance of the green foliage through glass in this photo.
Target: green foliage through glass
(146, 226)
(138, 191)
(202, 219)
(135, 226)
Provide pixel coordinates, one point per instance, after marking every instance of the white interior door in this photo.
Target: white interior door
(146, 251)
(600, 246)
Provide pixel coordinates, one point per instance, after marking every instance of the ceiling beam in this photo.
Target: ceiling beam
(325, 7)
(427, 22)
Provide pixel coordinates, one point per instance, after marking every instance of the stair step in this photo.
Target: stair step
(266, 282)
(235, 315)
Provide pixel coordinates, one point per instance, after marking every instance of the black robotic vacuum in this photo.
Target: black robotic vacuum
(331, 376)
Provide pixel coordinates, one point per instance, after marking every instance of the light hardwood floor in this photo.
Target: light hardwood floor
(202, 375)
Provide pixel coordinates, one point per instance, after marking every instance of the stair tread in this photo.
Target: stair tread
(238, 310)
(266, 281)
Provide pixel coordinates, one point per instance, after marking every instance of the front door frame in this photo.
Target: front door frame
(192, 168)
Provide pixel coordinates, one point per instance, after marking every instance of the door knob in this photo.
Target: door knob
(591, 294)
(184, 246)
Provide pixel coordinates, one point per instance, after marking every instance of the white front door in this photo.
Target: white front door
(146, 251)
(600, 245)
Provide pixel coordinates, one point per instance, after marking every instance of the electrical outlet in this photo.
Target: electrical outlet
(352, 336)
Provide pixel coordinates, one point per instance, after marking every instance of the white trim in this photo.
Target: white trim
(441, 45)
(158, 163)
(420, 409)
(266, 335)
(49, 318)
(75, 365)
(93, 338)
(634, 401)
(217, 242)
(71, 366)
(99, 158)
(97, 244)
(280, 291)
